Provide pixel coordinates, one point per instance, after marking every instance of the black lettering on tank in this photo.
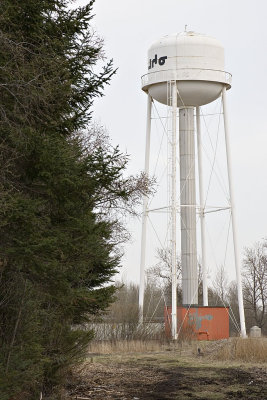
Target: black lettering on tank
(162, 60)
(155, 60)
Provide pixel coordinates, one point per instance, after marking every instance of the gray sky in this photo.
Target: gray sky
(128, 28)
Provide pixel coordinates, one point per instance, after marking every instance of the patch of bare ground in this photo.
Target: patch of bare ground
(165, 376)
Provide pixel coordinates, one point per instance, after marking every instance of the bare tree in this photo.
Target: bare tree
(255, 281)
(220, 285)
(161, 272)
(160, 275)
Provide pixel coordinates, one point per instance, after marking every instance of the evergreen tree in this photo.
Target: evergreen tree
(62, 186)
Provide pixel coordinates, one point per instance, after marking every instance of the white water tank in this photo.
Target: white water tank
(194, 60)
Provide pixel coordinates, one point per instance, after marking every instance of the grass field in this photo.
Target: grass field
(200, 370)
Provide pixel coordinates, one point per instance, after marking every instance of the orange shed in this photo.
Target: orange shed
(201, 323)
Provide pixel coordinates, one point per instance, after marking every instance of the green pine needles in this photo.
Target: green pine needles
(63, 192)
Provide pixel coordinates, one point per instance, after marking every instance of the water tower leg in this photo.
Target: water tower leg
(234, 226)
(173, 212)
(202, 211)
(188, 206)
(144, 215)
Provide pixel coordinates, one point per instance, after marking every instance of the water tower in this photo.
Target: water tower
(185, 72)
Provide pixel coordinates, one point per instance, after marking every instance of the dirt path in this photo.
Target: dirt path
(154, 377)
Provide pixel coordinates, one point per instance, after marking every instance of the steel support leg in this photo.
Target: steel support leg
(202, 210)
(173, 212)
(144, 215)
(234, 225)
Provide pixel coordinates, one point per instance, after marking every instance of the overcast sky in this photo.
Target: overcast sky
(128, 28)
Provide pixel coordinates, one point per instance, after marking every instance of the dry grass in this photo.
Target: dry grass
(126, 346)
(168, 374)
(238, 349)
(253, 350)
